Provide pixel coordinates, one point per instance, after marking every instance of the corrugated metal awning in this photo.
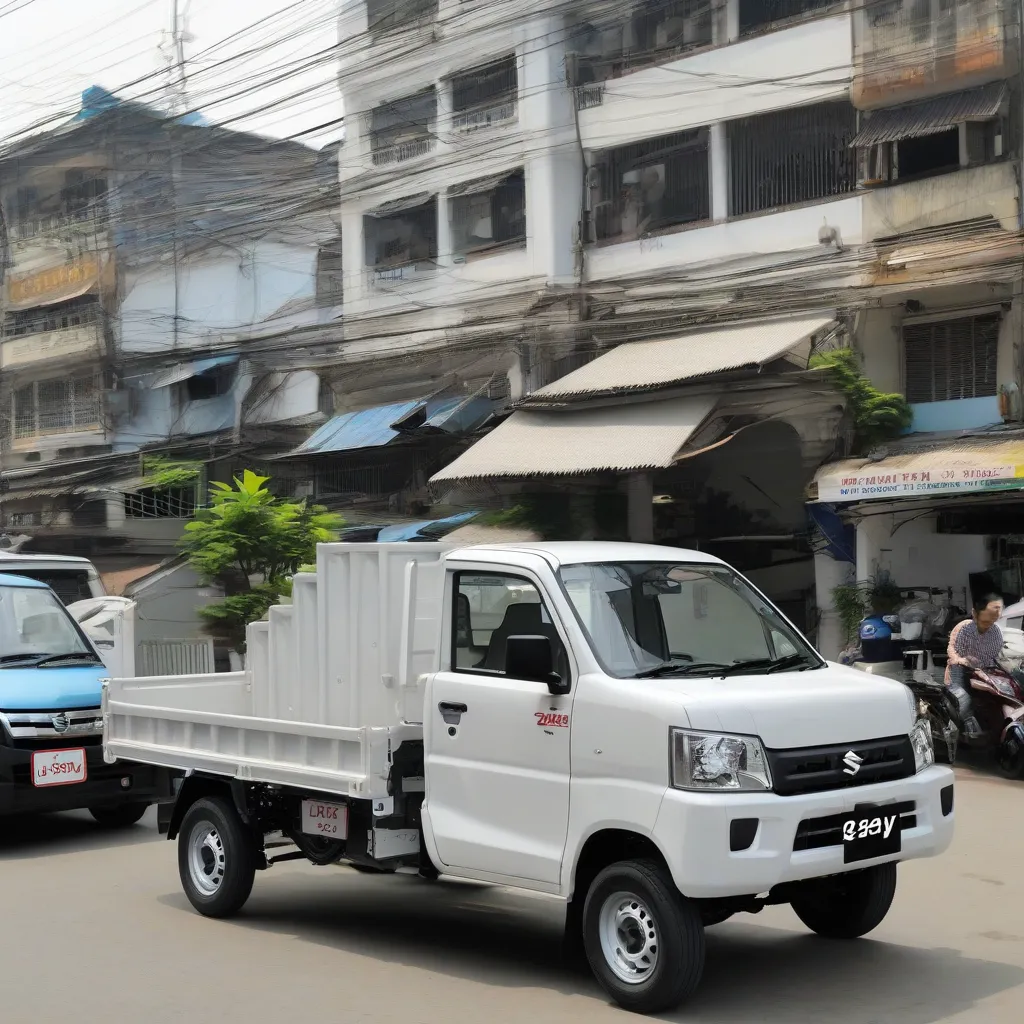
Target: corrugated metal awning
(460, 415)
(367, 428)
(466, 188)
(400, 205)
(916, 120)
(183, 371)
(962, 466)
(652, 364)
(530, 443)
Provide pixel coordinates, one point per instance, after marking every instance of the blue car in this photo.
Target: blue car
(51, 725)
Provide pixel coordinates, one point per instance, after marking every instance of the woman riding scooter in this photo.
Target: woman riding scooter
(974, 643)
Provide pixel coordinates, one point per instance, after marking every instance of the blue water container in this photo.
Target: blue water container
(876, 641)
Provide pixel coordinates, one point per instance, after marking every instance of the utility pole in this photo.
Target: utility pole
(178, 105)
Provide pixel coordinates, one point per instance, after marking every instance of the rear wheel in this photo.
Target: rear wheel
(644, 942)
(216, 858)
(848, 906)
(120, 815)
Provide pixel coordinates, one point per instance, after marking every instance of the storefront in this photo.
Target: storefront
(944, 515)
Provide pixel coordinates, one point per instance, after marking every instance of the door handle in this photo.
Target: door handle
(451, 712)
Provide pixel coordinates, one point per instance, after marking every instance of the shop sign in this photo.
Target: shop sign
(57, 284)
(882, 485)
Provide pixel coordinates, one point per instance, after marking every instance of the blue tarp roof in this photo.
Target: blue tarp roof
(428, 529)
(376, 427)
(367, 428)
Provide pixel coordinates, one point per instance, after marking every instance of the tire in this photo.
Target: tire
(1010, 757)
(628, 905)
(850, 905)
(120, 815)
(216, 858)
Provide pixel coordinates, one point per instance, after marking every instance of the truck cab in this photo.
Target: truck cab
(51, 724)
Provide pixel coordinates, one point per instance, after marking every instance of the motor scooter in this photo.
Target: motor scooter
(998, 698)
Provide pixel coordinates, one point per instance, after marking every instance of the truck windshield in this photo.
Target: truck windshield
(35, 628)
(651, 619)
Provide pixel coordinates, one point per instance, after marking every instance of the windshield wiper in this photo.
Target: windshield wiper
(11, 660)
(768, 664)
(86, 656)
(680, 668)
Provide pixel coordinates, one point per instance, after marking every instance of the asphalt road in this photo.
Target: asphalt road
(96, 931)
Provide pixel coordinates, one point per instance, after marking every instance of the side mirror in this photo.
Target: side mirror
(532, 659)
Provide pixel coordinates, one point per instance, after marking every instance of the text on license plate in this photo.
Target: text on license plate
(323, 818)
(871, 833)
(59, 767)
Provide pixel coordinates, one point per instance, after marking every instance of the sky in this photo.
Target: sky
(258, 65)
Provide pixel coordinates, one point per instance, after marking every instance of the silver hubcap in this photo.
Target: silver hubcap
(206, 859)
(629, 938)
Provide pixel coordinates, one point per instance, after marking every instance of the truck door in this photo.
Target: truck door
(497, 748)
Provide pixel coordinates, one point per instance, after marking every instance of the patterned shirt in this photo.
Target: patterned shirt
(968, 646)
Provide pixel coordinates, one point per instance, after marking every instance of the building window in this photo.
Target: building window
(486, 95)
(161, 503)
(762, 15)
(402, 235)
(403, 129)
(488, 214)
(650, 186)
(936, 153)
(387, 15)
(330, 281)
(653, 32)
(63, 315)
(792, 156)
(214, 383)
(84, 194)
(951, 359)
(56, 407)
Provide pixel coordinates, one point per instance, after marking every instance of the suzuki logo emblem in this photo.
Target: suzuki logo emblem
(852, 762)
(60, 723)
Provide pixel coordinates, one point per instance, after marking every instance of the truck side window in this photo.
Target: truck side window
(489, 608)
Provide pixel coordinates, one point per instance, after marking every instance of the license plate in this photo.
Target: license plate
(871, 832)
(59, 767)
(322, 818)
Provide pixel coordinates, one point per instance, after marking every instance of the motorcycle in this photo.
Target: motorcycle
(998, 698)
(939, 708)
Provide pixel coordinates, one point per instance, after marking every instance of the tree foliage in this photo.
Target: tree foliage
(164, 474)
(877, 416)
(251, 543)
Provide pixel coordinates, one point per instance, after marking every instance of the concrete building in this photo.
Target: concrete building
(143, 255)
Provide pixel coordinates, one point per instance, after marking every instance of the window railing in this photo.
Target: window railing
(484, 117)
(56, 407)
(385, 16)
(59, 226)
(396, 152)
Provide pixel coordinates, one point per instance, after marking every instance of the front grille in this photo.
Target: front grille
(819, 833)
(813, 769)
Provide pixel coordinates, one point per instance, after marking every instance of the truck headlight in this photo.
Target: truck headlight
(716, 761)
(921, 741)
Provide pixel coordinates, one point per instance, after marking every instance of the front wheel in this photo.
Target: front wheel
(644, 942)
(120, 815)
(216, 858)
(848, 906)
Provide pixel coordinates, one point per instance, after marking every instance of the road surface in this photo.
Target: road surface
(96, 931)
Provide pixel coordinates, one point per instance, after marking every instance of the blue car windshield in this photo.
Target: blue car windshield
(34, 625)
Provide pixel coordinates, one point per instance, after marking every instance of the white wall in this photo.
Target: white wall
(805, 64)
(168, 606)
(289, 396)
(215, 294)
(787, 231)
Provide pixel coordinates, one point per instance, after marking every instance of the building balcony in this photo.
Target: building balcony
(57, 413)
(973, 193)
(32, 348)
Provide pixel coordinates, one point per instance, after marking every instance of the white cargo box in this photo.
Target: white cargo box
(330, 680)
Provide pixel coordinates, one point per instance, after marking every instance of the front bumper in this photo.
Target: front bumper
(103, 786)
(693, 831)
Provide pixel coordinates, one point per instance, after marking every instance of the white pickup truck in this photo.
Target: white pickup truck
(635, 731)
